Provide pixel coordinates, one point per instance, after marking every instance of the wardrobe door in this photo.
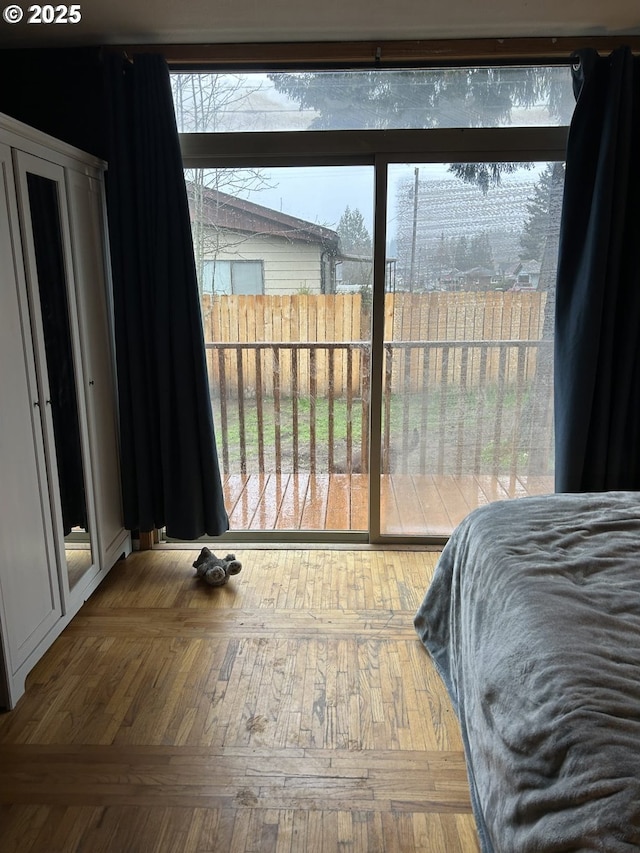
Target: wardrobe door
(85, 198)
(30, 599)
(52, 302)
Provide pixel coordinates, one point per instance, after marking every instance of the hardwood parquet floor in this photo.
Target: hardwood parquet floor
(292, 710)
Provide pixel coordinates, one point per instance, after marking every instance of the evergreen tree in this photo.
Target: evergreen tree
(480, 251)
(536, 228)
(446, 97)
(462, 259)
(353, 233)
(444, 255)
(356, 240)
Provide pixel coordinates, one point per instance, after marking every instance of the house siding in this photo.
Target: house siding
(289, 267)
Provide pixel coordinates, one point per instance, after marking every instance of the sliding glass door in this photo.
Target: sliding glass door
(467, 398)
(463, 393)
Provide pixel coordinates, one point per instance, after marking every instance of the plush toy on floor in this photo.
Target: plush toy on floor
(216, 570)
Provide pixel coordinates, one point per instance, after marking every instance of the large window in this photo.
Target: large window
(400, 99)
(417, 268)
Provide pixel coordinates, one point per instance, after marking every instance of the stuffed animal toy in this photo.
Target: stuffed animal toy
(216, 570)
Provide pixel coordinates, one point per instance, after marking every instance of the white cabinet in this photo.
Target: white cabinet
(60, 510)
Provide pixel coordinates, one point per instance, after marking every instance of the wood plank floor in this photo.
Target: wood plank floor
(411, 504)
(292, 710)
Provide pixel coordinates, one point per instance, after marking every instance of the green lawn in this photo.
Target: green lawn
(452, 432)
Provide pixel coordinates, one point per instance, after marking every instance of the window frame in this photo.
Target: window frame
(362, 147)
(233, 264)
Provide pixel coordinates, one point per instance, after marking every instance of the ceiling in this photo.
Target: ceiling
(230, 21)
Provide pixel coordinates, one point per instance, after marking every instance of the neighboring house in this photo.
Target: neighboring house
(524, 276)
(477, 278)
(452, 279)
(245, 248)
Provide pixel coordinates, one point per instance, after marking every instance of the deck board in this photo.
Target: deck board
(314, 513)
(411, 504)
(293, 503)
(339, 502)
(432, 505)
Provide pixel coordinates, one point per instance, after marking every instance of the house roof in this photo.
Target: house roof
(482, 272)
(531, 267)
(223, 211)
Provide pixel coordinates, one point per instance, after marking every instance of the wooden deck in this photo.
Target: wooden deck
(410, 504)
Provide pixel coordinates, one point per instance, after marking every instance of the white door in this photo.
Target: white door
(29, 582)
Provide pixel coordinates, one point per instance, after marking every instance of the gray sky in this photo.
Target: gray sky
(320, 194)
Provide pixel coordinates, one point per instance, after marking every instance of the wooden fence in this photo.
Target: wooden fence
(490, 315)
(284, 320)
(344, 320)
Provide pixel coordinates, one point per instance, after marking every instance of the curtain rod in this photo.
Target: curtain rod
(378, 53)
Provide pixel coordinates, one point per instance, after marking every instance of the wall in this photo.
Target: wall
(57, 91)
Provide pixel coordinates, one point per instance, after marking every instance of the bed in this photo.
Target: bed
(533, 622)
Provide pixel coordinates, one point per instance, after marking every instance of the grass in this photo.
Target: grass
(480, 431)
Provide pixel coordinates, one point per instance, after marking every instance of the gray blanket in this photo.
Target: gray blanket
(533, 621)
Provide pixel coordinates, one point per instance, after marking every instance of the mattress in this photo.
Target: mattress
(533, 622)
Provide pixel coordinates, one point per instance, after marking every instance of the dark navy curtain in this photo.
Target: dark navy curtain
(170, 467)
(597, 356)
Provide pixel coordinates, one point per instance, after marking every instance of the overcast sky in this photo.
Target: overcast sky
(320, 194)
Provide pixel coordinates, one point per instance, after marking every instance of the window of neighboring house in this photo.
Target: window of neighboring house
(233, 278)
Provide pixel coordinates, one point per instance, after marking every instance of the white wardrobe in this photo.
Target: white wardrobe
(61, 524)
